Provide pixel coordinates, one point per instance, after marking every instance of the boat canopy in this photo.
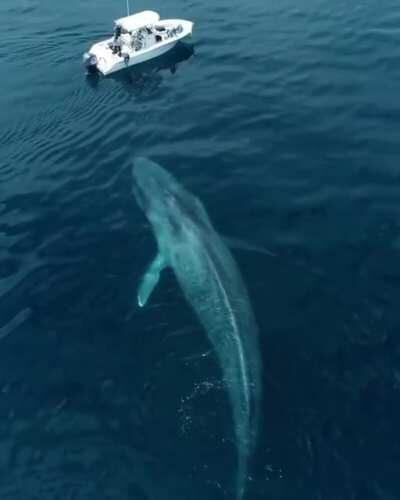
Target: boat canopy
(136, 21)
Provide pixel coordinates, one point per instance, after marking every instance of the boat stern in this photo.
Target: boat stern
(100, 58)
(90, 62)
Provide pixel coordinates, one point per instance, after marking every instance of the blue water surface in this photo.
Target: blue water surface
(284, 119)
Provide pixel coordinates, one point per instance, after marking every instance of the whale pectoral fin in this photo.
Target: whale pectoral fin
(150, 280)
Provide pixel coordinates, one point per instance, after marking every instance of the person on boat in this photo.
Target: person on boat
(117, 32)
(116, 43)
(117, 47)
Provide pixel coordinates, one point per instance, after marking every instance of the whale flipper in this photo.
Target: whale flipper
(150, 279)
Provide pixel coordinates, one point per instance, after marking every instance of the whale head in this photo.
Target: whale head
(166, 204)
(154, 188)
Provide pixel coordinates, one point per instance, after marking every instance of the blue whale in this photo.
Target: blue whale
(212, 285)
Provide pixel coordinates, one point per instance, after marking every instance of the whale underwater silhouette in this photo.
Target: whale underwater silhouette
(212, 285)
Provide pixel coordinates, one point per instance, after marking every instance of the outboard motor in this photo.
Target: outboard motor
(90, 62)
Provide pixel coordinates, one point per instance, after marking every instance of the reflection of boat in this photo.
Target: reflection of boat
(137, 38)
(145, 78)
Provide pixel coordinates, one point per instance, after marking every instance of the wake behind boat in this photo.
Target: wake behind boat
(137, 38)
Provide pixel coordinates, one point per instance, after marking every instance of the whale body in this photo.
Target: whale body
(212, 285)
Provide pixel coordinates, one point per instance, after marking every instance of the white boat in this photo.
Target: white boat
(137, 38)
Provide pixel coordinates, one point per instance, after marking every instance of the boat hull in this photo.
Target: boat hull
(107, 62)
(137, 59)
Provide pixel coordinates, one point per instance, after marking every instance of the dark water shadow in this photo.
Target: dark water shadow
(145, 78)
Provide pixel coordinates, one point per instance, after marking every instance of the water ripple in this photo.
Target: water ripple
(284, 120)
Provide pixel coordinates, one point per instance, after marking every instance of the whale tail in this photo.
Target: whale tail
(242, 471)
(246, 444)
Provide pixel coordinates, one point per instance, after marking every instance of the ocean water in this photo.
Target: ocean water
(284, 119)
